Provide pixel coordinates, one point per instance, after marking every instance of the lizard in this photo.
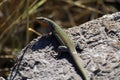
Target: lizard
(64, 39)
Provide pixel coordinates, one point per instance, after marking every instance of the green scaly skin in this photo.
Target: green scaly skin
(66, 41)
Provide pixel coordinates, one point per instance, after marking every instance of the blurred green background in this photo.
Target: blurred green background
(17, 16)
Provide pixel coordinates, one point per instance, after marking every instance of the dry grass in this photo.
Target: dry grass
(16, 16)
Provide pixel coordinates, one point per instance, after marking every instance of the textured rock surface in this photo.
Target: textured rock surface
(100, 43)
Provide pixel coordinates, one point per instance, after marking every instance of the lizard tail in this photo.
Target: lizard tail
(79, 64)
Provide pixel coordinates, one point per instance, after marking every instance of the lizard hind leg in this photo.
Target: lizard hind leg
(62, 49)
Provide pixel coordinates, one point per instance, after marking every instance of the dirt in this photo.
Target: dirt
(100, 53)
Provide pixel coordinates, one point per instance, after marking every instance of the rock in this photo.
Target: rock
(100, 41)
(1, 78)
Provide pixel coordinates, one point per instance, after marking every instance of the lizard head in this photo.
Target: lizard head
(43, 25)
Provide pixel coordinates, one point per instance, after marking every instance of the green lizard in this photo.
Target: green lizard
(64, 40)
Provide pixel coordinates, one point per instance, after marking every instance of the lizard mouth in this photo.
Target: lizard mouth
(41, 21)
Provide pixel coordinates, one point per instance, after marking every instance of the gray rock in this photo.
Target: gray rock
(100, 41)
(1, 78)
